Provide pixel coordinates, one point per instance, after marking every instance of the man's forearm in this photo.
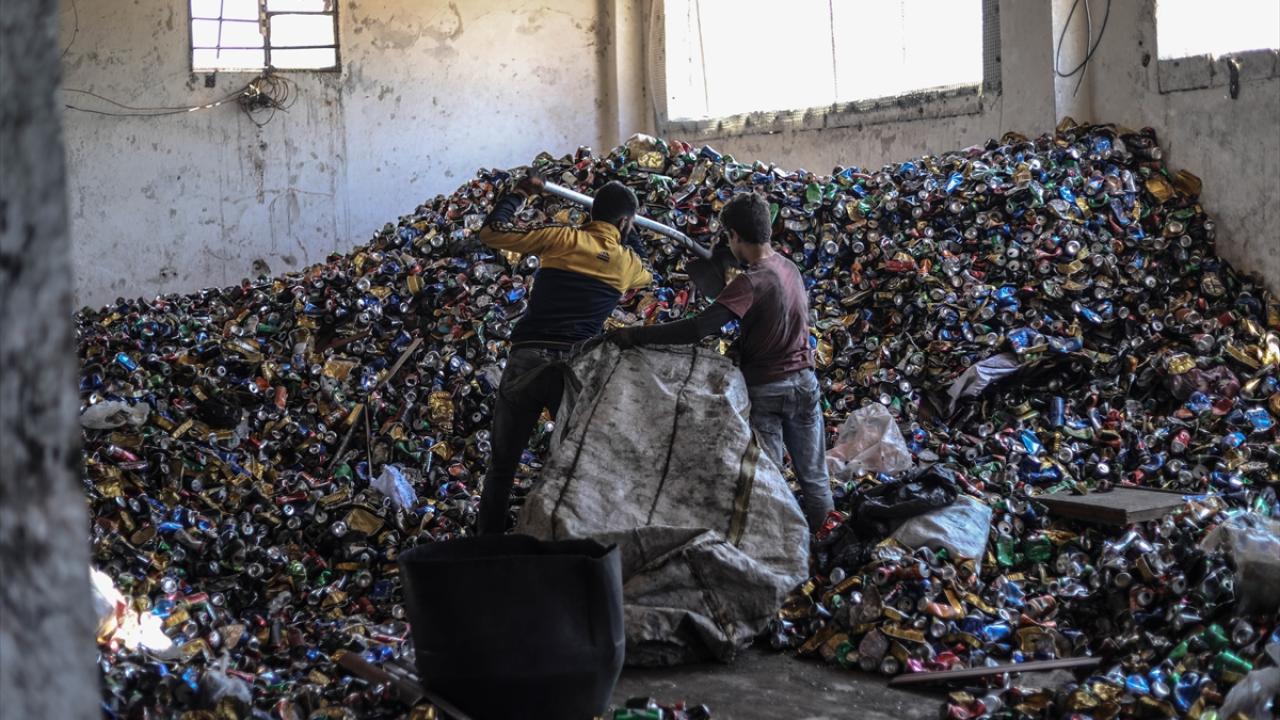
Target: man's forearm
(683, 332)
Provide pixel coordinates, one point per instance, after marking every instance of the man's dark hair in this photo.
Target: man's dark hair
(614, 202)
(748, 215)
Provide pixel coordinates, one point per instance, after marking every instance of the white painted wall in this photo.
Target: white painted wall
(431, 90)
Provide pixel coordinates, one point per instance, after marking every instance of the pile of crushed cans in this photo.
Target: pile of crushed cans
(257, 455)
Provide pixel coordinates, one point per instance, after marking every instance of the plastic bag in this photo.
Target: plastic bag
(120, 624)
(108, 604)
(110, 414)
(1254, 544)
(931, 488)
(869, 442)
(978, 377)
(392, 483)
(961, 527)
(1257, 696)
(1217, 381)
(217, 689)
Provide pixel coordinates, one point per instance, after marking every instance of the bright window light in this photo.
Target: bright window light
(1198, 27)
(254, 35)
(725, 57)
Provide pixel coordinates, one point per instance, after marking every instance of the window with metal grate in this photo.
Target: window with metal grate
(255, 35)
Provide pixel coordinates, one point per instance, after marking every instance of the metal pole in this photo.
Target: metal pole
(584, 200)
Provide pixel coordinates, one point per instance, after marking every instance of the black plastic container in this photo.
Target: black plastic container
(506, 626)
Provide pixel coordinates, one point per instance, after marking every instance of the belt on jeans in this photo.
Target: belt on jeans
(784, 378)
(542, 345)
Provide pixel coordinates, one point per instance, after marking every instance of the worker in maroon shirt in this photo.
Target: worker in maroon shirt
(770, 302)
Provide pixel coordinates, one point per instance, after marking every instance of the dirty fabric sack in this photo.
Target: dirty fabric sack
(657, 455)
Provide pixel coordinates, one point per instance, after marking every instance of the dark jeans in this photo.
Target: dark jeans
(532, 380)
(788, 413)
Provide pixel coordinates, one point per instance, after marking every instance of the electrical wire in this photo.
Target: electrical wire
(75, 12)
(115, 114)
(145, 111)
(1092, 43)
(702, 56)
(270, 93)
(161, 109)
(266, 93)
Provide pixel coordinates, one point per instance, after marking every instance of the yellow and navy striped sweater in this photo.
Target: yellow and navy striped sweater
(584, 272)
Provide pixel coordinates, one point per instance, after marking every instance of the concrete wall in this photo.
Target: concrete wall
(429, 92)
(1233, 145)
(432, 90)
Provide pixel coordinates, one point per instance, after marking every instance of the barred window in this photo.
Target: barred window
(256, 35)
(727, 57)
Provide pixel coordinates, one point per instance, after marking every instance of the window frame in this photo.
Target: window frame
(932, 103)
(266, 43)
(1207, 70)
(1197, 72)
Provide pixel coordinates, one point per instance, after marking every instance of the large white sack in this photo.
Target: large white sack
(657, 454)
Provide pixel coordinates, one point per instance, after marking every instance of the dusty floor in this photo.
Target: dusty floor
(769, 685)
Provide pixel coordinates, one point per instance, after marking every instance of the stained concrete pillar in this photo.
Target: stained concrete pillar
(1070, 44)
(622, 47)
(47, 665)
(1026, 62)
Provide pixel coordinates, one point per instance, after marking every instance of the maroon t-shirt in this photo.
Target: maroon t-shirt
(769, 299)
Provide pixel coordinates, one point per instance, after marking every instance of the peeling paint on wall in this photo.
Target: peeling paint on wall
(429, 92)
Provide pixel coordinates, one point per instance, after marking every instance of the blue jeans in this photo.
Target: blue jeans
(788, 413)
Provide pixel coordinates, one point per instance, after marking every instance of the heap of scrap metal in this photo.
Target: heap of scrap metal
(257, 455)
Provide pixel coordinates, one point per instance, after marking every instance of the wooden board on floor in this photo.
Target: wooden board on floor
(1120, 506)
(944, 676)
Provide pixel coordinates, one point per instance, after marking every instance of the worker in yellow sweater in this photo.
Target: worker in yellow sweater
(584, 272)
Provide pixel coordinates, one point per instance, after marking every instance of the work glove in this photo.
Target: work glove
(531, 184)
(632, 240)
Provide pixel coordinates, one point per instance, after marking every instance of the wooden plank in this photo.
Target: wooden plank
(410, 690)
(411, 693)
(399, 363)
(945, 676)
(1120, 506)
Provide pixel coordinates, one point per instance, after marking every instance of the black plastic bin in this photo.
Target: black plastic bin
(506, 626)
